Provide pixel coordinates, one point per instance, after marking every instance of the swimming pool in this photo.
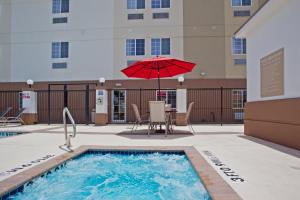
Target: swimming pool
(121, 175)
(8, 134)
(157, 171)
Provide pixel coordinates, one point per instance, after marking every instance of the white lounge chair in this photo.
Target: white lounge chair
(2, 115)
(16, 119)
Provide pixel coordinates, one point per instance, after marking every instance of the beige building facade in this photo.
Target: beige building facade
(208, 30)
(95, 37)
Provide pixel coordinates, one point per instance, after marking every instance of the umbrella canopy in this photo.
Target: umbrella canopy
(158, 67)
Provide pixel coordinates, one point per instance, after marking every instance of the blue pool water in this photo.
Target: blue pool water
(114, 176)
(7, 134)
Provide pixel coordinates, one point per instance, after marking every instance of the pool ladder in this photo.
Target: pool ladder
(68, 137)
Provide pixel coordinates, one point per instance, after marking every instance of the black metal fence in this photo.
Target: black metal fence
(212, 105)
(10, 99)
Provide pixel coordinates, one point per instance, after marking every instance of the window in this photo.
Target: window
(241, 13)
(241, 2)
(135, 47)
(60, 6)
(135, 16)
(169, 96)
(239, 46)
(160, 3)
(160, 46)
(163, 15)
(60, 49)
(239, 98)
(130, 62)
(240, 61)
(135, 4)
(60, 20)
(61, 65)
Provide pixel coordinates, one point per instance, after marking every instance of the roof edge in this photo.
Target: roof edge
(250, 18)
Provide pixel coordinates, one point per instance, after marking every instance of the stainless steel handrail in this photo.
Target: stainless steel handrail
(68, 137)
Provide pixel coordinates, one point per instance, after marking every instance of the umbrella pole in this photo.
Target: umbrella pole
(159, 94)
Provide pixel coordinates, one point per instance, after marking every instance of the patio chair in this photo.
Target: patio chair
(188, 114)
(2, 115)
(138, 119)
(157, 116)
(16, 119)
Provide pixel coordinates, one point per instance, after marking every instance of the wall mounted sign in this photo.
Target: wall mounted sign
(272, 74)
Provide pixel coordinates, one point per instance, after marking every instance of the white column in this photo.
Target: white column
(101, 116)
(181, 100)
(29, 102)
(101, 101)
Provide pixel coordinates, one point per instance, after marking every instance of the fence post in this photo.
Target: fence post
(87, 103)
(65, 96)
(49, 115)
(221, 106)
(140, 100)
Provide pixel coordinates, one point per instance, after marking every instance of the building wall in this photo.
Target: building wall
(208, 31)
(146, 29)
(231, 25)
(274, 118)
(204, 37)
(90, 37)
(280, 30)
(5, 48)
(200, 31)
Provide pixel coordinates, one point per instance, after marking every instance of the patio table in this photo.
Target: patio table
(169, 119)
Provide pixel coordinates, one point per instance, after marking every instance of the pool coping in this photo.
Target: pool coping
(217, 187)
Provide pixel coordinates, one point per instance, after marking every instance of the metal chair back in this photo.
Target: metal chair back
(157, 111)
(188, 114)
(136, 113)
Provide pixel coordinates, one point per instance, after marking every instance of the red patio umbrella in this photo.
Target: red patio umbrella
(158, 67)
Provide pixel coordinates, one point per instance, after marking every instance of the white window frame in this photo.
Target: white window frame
(60, 8)
(112, 107)
(160, 46)
(241, 4)
(135, 47)
(238, 95)
(135, 7)
(166, 100)
(59, 50)
(242, 47)
(160, 5)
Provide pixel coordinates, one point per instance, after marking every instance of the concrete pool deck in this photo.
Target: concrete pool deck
(269, 171)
